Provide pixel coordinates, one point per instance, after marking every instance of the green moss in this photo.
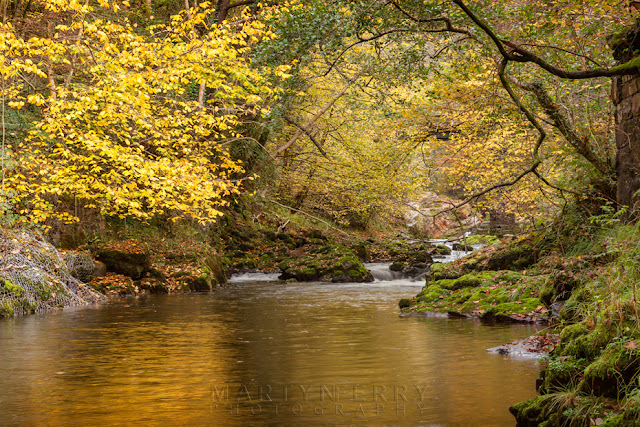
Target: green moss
(530, 412)
(510, 308)
(397, 266)
(580, 345)
(326, 263)
(630, 65)
(481, 239)
(512, 257)
(7, 308)
(442, 250)
(562, 372)
(432, 293)
(441, 271)
(12, 288)
(355, 273)
(466, 282)
(609, 373)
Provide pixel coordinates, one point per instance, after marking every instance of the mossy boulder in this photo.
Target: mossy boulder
(441, 250)
(404, 303)
(559, 287)
(482, 239)
(411, 258)
(530, 413)
(362, 250)
(440, 271)
(560, 373)
(462, 247)
(581, 342)
(328, 263)
(468, 281)
(616, 367)
(515, 256)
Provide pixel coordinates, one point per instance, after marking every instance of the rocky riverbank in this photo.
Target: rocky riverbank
(492, 283)
(579, 279)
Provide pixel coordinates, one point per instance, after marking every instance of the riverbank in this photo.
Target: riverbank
(581, 279)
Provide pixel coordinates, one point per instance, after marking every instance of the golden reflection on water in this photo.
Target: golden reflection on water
(290, 354)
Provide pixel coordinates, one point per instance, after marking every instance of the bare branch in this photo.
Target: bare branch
(319, 114)
(307, 132)
(360, 41)
(537, 160)
(311, 216)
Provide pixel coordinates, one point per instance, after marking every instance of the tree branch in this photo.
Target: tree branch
(319, 114)
(447, 22)
(519, 54)
(307, 132)
(360, 41)
(311, 216)
(537, 160)
(561, 122)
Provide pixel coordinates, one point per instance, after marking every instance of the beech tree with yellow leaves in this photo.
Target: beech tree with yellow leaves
(125, 126)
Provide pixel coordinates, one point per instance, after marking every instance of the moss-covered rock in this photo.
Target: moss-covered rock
(491, 295)
(511, 257)
(580, 342)
(404, 303)
(411, 259)
(612, 371)
(482, 239)
(329, 263)
(530, 413)
(442, 250)
(561, 373)
(440, 271)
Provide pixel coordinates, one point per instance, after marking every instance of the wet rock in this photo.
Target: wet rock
(130, 261)
(199, 284)
(462, 247)
(99, 269)
(441, 250)
(534, 346)
(404, 302)
(329, 263)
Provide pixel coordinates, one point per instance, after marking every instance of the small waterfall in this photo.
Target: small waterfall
(381, 272)
(254, 277)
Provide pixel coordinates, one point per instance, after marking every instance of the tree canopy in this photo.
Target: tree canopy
(139, 109)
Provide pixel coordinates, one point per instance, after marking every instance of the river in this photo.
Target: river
(259, 353)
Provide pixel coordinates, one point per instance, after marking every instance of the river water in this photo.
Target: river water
(259, 353)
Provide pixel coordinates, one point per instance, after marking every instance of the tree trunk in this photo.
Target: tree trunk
(625, 94)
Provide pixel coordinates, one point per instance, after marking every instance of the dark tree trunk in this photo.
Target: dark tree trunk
(625, 95)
